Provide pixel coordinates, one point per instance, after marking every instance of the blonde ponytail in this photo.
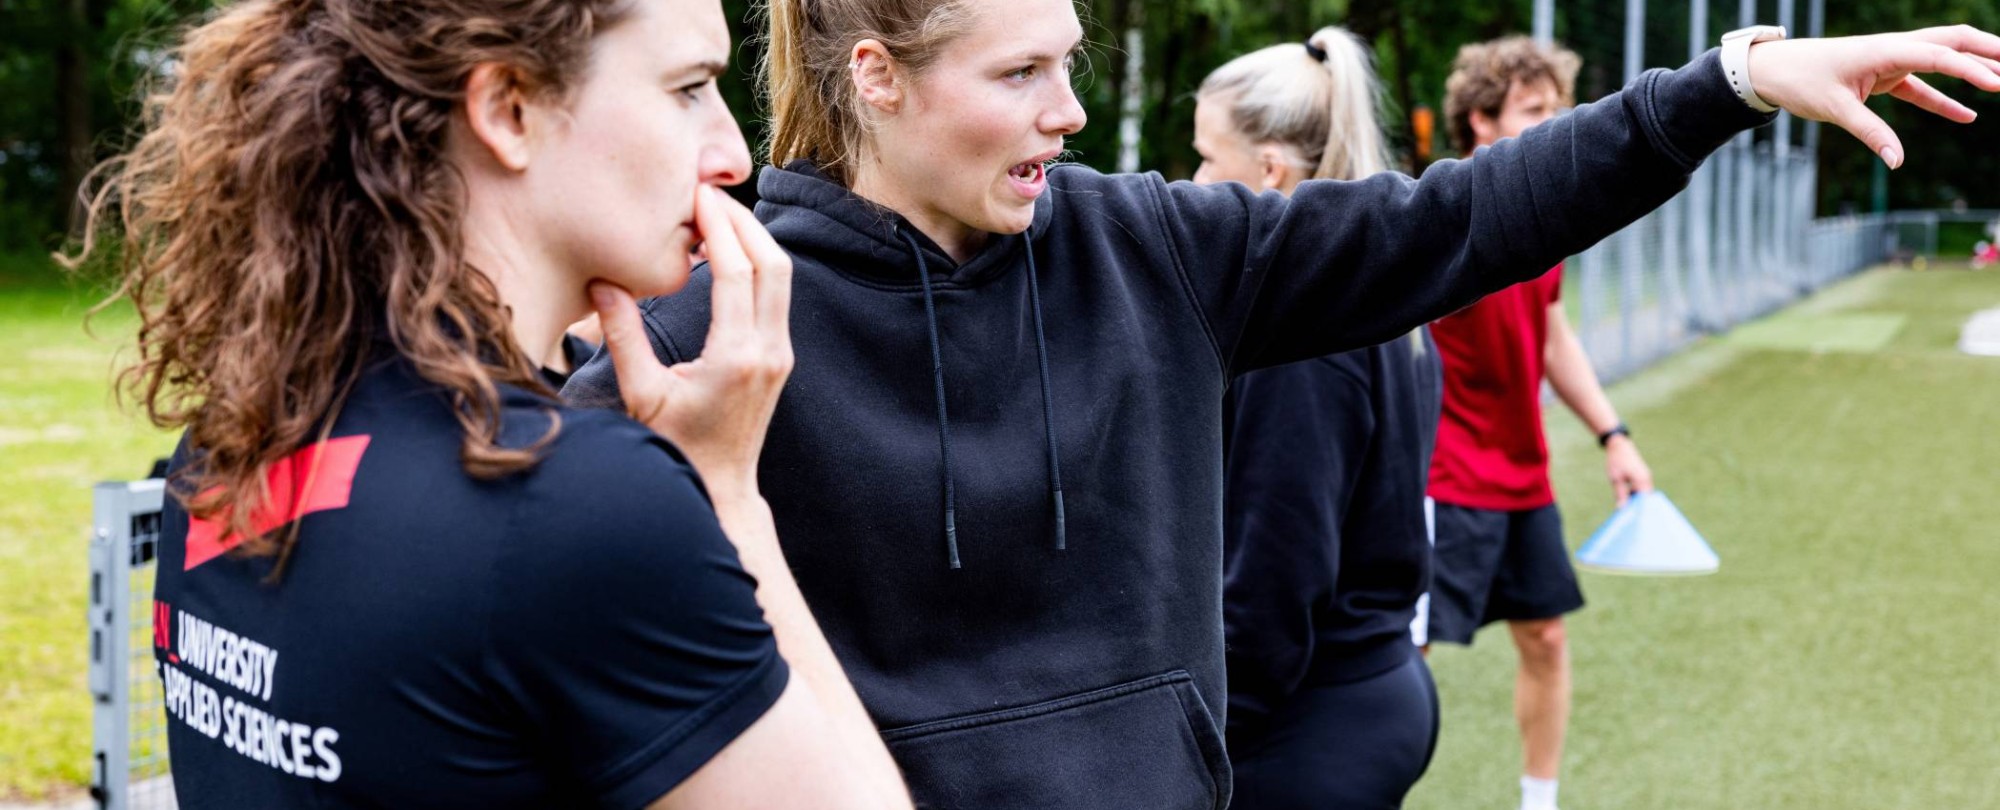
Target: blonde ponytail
(1354, 147)
(1322, 109)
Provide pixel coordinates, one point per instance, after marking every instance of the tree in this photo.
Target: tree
(68, 69)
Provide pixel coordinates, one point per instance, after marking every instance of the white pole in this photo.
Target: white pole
(1630, 245)
(1700, 201)
(1133, 90)
(1545, 21)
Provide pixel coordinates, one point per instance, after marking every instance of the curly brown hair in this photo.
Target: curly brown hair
(289, 205)
(1484, 72)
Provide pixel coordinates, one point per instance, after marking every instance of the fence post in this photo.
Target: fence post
(110, 645)
(1700, 202)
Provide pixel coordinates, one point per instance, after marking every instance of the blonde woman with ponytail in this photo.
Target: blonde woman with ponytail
(1325, 544)
(395, 571)
(1273, 118)
(997, 466)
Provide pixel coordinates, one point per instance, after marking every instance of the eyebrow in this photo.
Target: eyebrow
(1076, 49)
(712, 68)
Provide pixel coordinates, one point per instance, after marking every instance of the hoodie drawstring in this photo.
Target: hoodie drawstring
(1048, 397)
(944, 420)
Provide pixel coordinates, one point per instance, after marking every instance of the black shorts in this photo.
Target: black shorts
(1498, 566)
(1355, 746)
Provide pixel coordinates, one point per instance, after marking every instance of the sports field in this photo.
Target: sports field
(1842, 459)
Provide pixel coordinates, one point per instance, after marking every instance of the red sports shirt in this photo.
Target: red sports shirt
(1491, 453)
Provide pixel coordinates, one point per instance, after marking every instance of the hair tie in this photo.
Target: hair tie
(1316, 52)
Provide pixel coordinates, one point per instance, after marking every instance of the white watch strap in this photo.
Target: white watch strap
(1736, 62)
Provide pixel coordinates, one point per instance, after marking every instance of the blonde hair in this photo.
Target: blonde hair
(807, 77)
(1324, 110)
(1484, 72)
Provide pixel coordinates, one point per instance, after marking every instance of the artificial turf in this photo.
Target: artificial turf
(1840, 658)
(1844, 461)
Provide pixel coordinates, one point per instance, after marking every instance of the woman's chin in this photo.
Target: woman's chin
(669, 277)
(1011, 219)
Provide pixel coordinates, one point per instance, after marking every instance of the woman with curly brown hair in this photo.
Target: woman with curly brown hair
(396, 571)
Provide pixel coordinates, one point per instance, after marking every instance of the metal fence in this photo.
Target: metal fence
(1740, 242)
(129, 732)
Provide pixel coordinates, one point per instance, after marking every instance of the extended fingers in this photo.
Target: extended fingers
(1916, 91)
(1963, 38)
(1850, 114)
(1917, 56)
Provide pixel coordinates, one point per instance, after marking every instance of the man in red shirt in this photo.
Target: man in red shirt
(1500, 553)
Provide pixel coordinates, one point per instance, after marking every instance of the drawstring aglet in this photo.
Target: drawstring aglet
(951, 535)
(1062, 535)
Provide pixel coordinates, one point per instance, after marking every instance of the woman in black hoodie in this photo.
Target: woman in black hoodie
(1325, 545)
(997, 467)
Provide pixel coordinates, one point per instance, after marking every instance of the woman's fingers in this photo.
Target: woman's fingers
(774, 275)
(1926, 57)
(1964, 38)
(1850, 114)
(733, 295)
(1916, 91)
(632, 359)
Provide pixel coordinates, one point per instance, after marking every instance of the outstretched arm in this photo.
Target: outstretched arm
(1347, 264)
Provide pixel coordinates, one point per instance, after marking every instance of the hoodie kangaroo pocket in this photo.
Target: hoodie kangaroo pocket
(1149, 744)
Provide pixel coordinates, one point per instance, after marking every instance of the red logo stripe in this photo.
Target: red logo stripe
(315, 479)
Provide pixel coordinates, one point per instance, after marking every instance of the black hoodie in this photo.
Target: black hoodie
(1088, 357)
(1325, 543)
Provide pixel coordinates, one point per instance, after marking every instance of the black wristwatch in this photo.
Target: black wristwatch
(1604, 439)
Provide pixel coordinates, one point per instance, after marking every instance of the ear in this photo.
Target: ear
(1274, 167)
(497, 114)
(1485, 128)
(875, 76)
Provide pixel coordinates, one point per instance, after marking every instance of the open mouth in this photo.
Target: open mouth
(1030, 172)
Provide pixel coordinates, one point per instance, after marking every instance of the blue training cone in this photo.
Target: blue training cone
(1648, 536)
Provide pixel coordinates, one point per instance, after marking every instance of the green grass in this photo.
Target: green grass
(59, 433)
(1841, 458)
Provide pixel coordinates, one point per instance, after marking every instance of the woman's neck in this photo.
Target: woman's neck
(960, 241)
(540, 301)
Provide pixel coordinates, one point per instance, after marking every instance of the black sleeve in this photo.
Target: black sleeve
(1340, 265)
(1298, 437)
(629, 636)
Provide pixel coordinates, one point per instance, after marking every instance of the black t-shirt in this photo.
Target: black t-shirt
(577, 634)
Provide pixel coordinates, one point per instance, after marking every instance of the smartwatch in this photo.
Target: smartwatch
(1736, 61)
(1604, 439)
